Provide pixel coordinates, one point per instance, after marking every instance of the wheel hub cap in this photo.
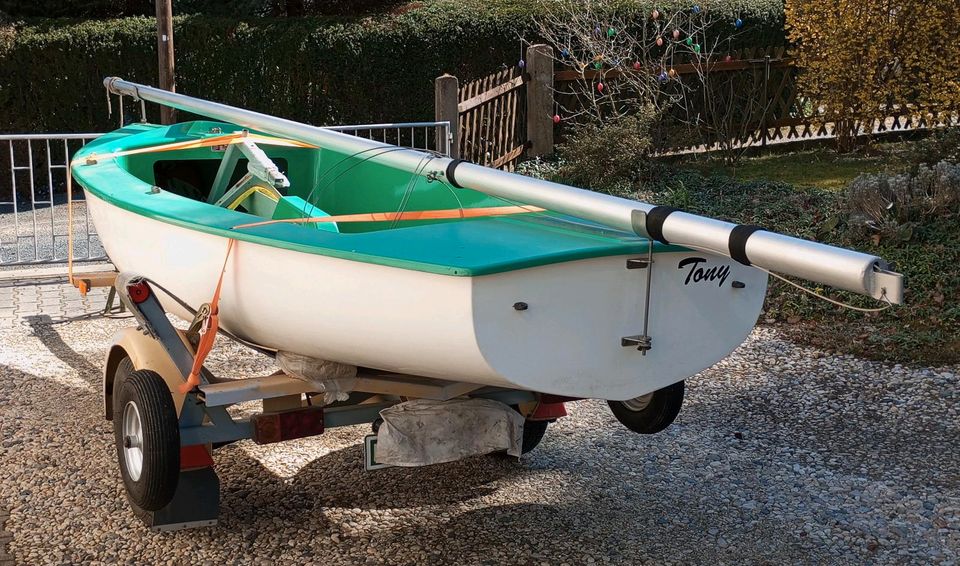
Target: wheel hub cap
(638, 403)
(132, 441)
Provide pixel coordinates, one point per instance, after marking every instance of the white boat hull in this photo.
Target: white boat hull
(567, 342)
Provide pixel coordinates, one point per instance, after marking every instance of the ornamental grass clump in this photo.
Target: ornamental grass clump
(892, 206)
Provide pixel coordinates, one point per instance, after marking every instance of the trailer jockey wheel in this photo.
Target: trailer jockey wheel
(650, 413)
(147, 435)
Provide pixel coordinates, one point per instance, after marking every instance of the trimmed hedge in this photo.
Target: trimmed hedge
(235, 8)
(316, 70)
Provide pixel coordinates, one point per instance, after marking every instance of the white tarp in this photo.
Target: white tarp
(422, 431)
(335, 380)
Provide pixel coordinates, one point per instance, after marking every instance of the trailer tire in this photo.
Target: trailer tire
(120, 374)
(651, 413)
(147, 436)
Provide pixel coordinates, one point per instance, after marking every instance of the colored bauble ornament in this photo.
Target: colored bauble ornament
(556, 118)
(696, 48)
(676, 34)
(637, 65)
(597, 31)
(611, 32)
(663, 76)
(696, 9)
(659, 41)
(727, 59)
(565, 53)
(600, 87)
(689, 41)
(521, 63)
(738, 24)
(597, 64)
(673, 73)
(655, 14)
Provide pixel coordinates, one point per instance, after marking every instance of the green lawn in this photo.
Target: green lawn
(821, 168)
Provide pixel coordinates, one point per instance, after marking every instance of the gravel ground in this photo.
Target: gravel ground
(782, 455)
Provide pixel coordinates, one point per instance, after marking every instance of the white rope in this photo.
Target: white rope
(828, 299)
(883, 296)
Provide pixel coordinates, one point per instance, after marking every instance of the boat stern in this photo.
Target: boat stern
(577, 328)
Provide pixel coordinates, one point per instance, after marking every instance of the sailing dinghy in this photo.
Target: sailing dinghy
(361, 253)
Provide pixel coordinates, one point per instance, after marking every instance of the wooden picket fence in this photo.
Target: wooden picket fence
(502, 116)
(491, 119)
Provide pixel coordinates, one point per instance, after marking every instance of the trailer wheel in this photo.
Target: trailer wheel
(147, 436)
(650, 413)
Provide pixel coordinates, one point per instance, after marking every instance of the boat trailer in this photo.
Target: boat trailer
(165, 438)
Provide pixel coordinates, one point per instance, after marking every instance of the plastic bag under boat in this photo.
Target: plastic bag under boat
(423, 431)
(334, 379)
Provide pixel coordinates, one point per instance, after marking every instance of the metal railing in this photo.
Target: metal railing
(33, 169)
(33, 220)
(431, 136)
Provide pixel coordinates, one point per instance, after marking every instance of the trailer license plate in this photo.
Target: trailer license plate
(370, 454)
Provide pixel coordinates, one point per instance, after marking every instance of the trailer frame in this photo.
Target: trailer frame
(204, 422)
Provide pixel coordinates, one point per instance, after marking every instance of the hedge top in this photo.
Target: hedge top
(316, 70)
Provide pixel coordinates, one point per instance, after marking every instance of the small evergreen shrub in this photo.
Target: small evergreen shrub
(605, 155)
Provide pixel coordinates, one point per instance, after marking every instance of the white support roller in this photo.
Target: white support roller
(845, 269)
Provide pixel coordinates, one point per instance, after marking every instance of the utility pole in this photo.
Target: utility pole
(165, 52)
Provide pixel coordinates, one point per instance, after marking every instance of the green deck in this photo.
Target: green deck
(466, 247)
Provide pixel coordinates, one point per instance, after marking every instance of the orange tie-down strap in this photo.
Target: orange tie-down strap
(225, 139)
(208, 331)
(440, 214)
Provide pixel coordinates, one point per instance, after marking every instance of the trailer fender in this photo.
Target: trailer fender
(144, 353)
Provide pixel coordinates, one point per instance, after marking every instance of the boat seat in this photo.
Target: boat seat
(236, 197)
(295, 207)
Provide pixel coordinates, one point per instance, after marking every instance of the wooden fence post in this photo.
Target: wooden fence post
(540, 100)
(165, 55)
(446, 91)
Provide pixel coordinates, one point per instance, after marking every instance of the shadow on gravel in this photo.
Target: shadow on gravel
(337, 479)
(43, 328)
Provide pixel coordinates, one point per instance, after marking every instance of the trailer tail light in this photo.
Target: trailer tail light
(548, 411)
(138, 291)
(288, 425)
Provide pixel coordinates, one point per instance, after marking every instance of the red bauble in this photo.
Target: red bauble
(728, 58)
(676, 34)
(600, 87)
(637, 66)
(556, 118)
(659, 41)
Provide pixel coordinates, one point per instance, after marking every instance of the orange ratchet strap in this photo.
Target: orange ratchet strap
(225, 139)
(442, 214)
(208, 330)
